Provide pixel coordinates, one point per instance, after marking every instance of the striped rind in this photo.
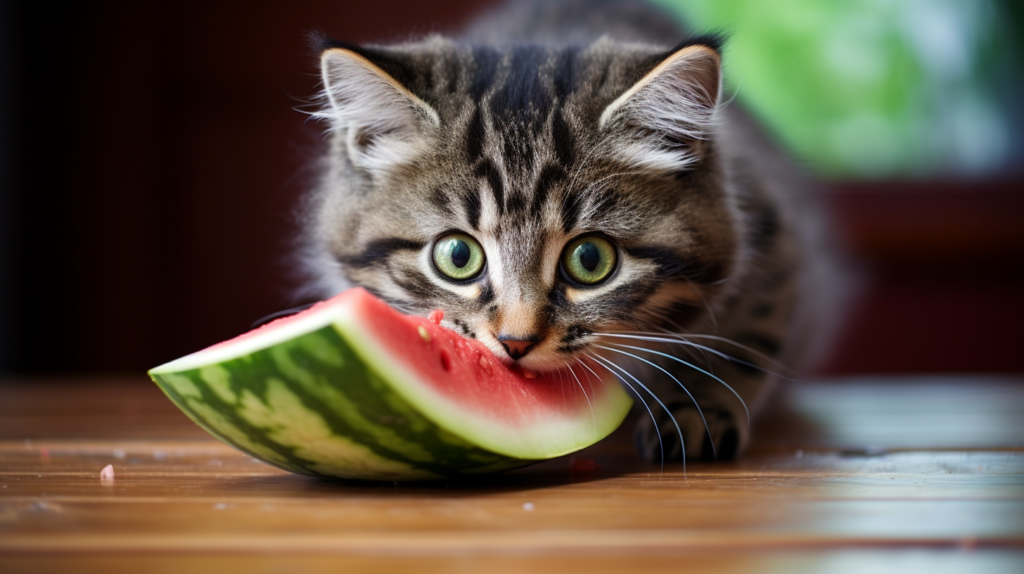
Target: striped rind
(285, 405)
(323, 396)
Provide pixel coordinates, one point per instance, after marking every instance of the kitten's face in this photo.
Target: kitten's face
(527, 193)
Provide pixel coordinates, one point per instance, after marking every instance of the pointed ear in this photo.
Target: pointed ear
(662, 121)
(384, 123)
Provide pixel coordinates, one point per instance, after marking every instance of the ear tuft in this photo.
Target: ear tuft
(385, 124)
(663, 119)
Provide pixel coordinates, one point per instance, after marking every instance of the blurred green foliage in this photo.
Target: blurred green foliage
(870, 88)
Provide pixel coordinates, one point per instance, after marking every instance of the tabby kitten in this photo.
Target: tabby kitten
(567, 185)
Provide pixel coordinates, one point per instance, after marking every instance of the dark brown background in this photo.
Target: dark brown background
(152, 160)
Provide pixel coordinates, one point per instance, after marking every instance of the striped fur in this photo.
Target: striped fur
(527, 143)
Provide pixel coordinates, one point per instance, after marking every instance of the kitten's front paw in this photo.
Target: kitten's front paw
(724, 426)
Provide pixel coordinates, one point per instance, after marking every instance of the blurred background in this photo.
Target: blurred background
(151, 161)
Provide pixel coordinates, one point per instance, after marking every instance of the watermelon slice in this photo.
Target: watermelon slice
(351, 388)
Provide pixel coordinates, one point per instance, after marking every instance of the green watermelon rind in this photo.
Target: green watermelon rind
(321, 398)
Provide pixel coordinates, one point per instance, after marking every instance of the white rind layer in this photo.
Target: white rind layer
(541, 436)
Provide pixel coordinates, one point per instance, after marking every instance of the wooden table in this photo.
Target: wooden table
(861, 475)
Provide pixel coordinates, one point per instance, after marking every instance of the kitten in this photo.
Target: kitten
(565, 182)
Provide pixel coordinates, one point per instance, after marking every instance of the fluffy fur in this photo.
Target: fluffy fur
(551, 120)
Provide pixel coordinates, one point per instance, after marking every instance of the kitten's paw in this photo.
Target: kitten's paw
(726, 434)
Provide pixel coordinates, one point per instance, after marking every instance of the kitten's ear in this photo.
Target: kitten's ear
(385, 124)
(663, 119)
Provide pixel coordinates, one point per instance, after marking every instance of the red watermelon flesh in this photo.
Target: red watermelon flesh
(458, 384)
(463, 370)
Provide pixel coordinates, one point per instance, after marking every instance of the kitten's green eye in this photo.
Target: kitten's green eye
(589, 260)
(458, 256)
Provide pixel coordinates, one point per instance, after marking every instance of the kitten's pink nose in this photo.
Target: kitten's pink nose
(515, 347)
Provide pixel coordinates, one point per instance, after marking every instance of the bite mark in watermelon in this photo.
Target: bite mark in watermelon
(351, 388)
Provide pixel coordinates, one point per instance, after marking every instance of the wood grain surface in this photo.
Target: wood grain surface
(855, 475)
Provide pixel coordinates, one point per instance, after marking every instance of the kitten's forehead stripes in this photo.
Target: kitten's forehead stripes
(487, 170)
(523, 96)
(440, 199)
(473, 208)
(475, 135)
(485, 60)
(551, 175)
(570, 213)
(517, 92)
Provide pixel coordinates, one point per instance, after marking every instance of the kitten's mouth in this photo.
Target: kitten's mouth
(534, 366)
(534, 356)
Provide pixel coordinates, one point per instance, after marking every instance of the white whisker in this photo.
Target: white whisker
(657, 429)
(746, 348)
(681, 340)
(711, 439)
(592, 415)
(699, 348)
(587, 367)
(694, 367)
(661, 446)
(590, 381)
